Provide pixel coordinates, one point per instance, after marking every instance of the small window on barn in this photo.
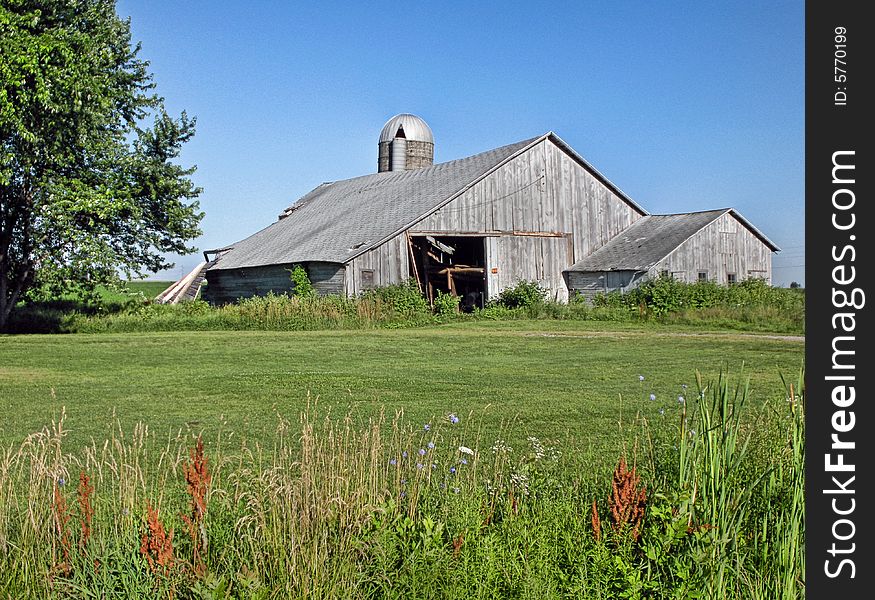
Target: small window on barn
(665, 274)
(730, 278)
(367, 279)
(703, 275)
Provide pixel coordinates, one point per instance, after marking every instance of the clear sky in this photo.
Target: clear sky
(685, 106)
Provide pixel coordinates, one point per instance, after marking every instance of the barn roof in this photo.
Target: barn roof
(653, 237)
(337, 221)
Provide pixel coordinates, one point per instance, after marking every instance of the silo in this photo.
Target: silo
(399, 154)
(406, 142)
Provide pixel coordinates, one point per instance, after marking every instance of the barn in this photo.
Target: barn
(533, 210)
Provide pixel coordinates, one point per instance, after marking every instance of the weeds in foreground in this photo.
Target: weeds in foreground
(387, 508)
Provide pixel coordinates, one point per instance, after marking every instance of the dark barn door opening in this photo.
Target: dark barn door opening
(450, 264)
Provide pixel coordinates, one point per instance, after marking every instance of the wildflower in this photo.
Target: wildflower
(692, 432)
(662, 411)
(420, 465)
(641, 378)
(422, 451)
(453, 418)
(430, 445)
(684, 386)
(500, 446)
(453, 470)
(404, 454)
(521, 482)
(466, 450)
(464, 461)
(403, 494)
(427, 426)
(653, 396)
(61, 481)
(433, 465)
(403, 482)
(455, 490)
(681, 400)
(537, 447)
(393, 462)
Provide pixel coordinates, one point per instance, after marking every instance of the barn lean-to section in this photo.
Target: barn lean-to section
(717, 245)
(534, 211)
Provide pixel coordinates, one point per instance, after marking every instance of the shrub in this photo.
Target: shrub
(404, 298)
(303, 288)
(446, 304)
(523, 294)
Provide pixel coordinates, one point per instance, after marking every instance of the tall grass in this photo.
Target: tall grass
(342, 508)
(750, 305)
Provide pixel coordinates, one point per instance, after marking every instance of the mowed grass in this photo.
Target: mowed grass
(149, 289)
(562, 380)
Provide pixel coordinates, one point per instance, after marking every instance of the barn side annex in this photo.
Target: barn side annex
(533, 210)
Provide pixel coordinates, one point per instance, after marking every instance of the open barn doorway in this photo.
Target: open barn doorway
(452, 265)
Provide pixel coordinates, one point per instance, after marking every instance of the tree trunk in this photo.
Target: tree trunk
(5, 306)
(10, 291)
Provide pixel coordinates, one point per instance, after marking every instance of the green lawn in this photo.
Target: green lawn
(149, 289)
(559, 379)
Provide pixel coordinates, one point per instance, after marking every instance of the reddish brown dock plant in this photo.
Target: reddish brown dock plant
(197, 478)
(86, 507)
(628, 499)
(61, 515)
(157, 543)
(626, 504)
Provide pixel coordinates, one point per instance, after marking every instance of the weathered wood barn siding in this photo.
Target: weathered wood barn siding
(541, 211)
(388, 263)
(511, 258)
(722, 247)
(228, 285)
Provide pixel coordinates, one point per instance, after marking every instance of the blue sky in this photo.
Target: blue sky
(683, 105)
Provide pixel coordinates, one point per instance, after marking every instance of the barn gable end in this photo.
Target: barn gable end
(725, 247)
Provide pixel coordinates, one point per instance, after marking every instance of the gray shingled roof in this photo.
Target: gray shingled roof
(339, 220)
(650, 239)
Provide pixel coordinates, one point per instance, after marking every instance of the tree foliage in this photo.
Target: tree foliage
(89, 183)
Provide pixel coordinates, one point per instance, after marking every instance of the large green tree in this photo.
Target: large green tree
(89, 181)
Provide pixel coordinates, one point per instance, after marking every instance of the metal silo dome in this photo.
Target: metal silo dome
(413, 128)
